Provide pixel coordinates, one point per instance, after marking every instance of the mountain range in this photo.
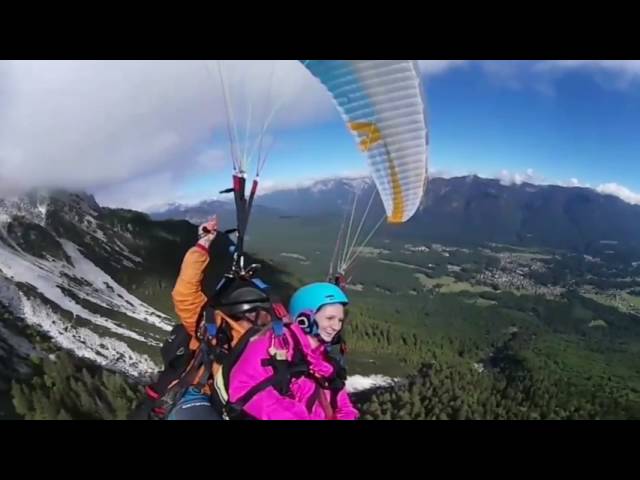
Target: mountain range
(461, 210)
(90, 280)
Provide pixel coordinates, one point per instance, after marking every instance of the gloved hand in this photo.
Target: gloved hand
(207, 232)
(318, 364)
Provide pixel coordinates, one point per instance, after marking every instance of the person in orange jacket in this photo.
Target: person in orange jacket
(247, 308)
(189, 298)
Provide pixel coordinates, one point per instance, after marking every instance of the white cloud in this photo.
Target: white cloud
(140, 193)
(440, 173)
(510, 178)
(506, 73)
(541, 75)
(436, 67)
(628, 68)
(212, 159)
(98, 124)
(619, 191)
(111, 127)
(625, 194)
(165, 185)
(574, 182)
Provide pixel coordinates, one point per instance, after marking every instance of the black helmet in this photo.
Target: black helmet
(240, 301)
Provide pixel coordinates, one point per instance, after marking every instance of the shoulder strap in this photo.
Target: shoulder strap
(233, 357)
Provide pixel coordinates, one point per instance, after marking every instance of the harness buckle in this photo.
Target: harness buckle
(277, 353)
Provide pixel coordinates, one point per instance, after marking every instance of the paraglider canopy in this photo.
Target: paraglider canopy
(382, 104)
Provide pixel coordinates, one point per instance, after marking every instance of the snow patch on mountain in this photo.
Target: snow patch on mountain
(356, 184)
(125, 251)
(33, 210)
(358, 383)
(110, 293)
(93, 284)
(106, 351)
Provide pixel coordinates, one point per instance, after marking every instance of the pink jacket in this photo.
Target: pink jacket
(269, 404)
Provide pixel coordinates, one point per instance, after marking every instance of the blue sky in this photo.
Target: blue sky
(487, 117)
(140, 134)
(582, 129)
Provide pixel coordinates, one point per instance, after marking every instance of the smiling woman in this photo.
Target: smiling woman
(318, 313)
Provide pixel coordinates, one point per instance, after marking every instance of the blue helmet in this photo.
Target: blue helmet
(311, 298)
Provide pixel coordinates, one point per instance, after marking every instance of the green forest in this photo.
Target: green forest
(529, 371)
(548, 335)
(68, 388)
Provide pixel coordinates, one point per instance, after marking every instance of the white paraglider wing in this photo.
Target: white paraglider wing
(382, 104)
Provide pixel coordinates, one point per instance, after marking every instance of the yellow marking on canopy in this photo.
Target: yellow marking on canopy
(397, 213)
(371, 131)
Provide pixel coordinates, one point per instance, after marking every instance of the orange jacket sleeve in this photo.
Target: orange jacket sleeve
(187, 295)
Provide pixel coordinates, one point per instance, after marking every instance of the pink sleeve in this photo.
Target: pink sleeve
(345, 410)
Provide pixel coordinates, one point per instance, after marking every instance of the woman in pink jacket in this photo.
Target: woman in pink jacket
(310, 380)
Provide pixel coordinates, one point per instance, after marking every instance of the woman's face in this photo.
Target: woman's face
(329, 319)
